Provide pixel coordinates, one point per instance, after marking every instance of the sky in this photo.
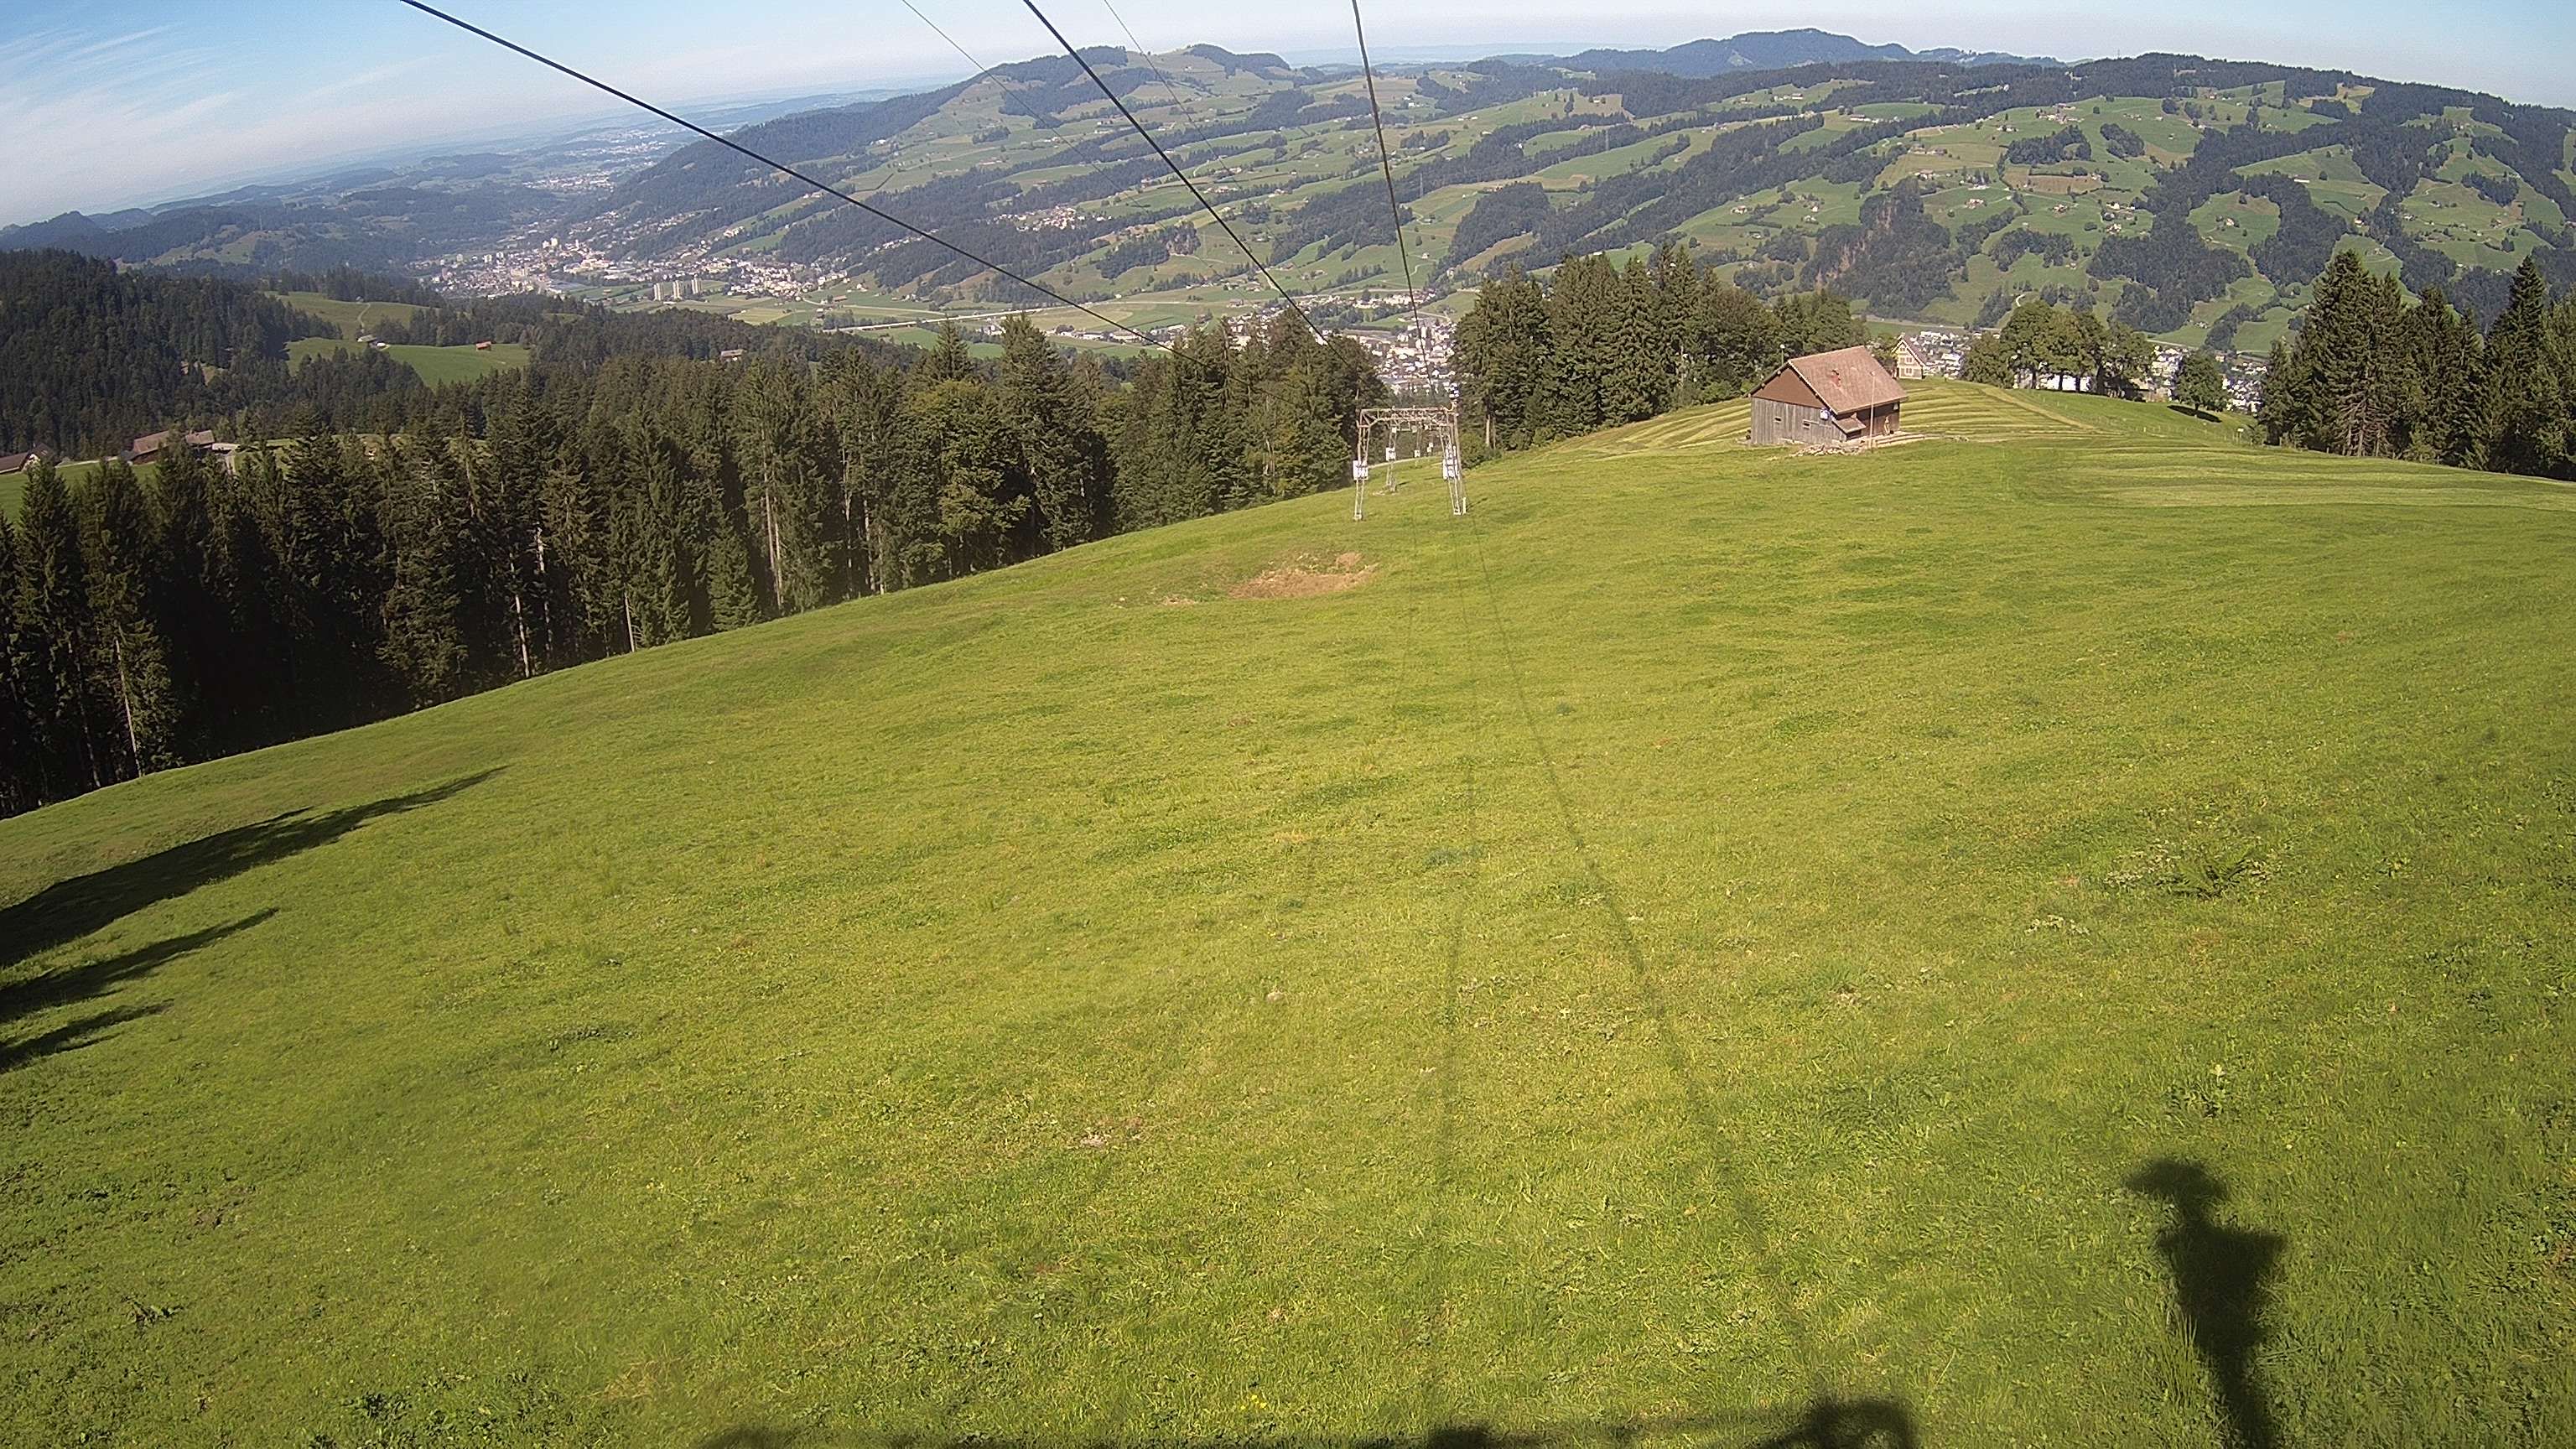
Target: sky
(113, 103)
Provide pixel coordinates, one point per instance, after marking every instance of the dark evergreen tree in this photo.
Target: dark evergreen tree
(424, 625)
(58, 656)
(2527, 403)
(1058, 439)
(20, 784)
(1501, 357)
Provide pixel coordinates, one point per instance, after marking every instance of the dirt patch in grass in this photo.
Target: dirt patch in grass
(1306, 578)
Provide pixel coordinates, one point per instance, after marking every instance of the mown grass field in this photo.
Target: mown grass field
(352, 318)
(434, 364)
(2053, 935)
(13, 487)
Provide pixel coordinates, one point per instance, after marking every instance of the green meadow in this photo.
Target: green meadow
(13, 487)
(434, 364)
(352, 318)
(2052, 934)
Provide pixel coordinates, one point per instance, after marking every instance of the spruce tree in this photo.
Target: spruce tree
(949, 359)
(579, 568)
(2527, 411)
(722, 544)
(1677, 296)
(507, 493)
(2453, 429)
(787, 470)
(58, 657)
(2283, 411)
(1636, 380)
(189, 593)
(20, 787)
(1058, 439)
(424, 632)
(131, 655)
(1584, 326)
(866, 404)
(1502, 348)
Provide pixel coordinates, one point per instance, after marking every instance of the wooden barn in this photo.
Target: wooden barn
(1827, 398)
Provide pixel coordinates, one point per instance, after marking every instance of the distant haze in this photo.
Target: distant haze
(127, 102)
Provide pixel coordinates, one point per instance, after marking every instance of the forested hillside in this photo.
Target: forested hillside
(90, 356)
(604, 500)
(94, 357)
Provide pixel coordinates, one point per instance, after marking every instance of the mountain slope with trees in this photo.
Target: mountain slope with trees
(2174, 192)
(2195, 199)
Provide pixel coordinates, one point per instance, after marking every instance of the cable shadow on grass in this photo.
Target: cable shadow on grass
(68, 910)
(22, 999)
(2223, 1284)
(1827, 1423)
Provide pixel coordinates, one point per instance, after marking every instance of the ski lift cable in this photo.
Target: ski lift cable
(1204, 204)
(1141, 50)
(1386, 165)
(786, 170)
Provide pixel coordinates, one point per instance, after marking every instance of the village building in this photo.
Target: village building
(1827, 398)
(15, 463)
(1914, 359)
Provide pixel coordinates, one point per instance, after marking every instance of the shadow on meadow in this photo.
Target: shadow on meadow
(2223, 1284)
(22, 999)
(68, 910)
(1825, 1424)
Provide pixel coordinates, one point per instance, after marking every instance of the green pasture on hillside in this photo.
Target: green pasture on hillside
(2053, 934)
(434, 364)
(352, 318)
(13, 487)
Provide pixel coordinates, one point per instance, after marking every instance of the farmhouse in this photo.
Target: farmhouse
(14, 463)
(1827, 397)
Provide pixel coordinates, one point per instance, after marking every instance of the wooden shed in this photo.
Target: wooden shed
(1827, 398)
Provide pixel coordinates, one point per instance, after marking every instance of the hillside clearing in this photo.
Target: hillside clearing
(1719, 946)
(434, 364)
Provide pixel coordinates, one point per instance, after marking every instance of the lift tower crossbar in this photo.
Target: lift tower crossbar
(1433, 424)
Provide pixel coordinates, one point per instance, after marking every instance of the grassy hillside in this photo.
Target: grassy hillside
(1717, 947)
(434, 364)
(352, 318)
(13, 488)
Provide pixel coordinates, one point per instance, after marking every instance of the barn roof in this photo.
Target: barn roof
(1849, 380)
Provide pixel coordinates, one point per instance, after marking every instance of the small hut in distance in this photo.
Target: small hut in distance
(1827, 399)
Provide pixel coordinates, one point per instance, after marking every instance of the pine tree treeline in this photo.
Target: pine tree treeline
(94, 356)
(554, 515)
(1599, 345)
(2371, 374)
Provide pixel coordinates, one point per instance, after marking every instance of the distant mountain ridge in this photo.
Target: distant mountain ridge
(1772, 50)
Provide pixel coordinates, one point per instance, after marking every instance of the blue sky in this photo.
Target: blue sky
(108, 103)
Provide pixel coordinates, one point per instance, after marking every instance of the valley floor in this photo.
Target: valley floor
(2053, 934)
